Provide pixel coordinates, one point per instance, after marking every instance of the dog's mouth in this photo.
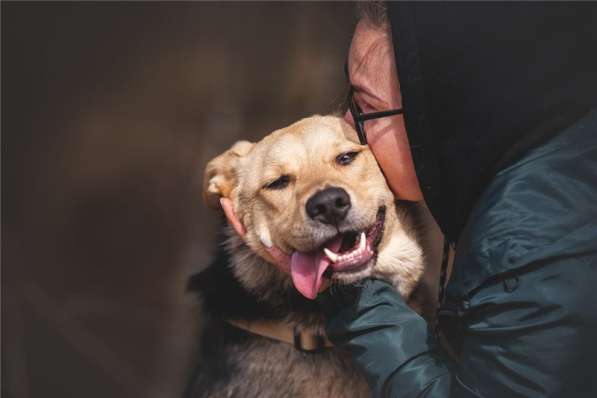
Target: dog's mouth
(344, 253)
(358, 247)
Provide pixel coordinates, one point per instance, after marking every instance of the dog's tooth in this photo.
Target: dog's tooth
(331, 255)
(363, 241)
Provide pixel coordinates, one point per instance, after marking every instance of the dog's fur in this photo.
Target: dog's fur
(237, 363)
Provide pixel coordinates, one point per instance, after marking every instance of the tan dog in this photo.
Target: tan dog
(316, 194)
(308, 206)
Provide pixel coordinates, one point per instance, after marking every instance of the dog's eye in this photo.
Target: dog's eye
(346, 158)
(279, 183)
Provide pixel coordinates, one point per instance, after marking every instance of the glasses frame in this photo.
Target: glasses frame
(357, 114)
(360, 118)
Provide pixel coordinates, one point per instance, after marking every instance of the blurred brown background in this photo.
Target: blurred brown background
(109, 114)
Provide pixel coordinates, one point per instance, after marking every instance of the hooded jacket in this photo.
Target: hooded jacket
(482, 83)
(498, 101)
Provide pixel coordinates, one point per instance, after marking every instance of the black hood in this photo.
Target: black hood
(483, 82)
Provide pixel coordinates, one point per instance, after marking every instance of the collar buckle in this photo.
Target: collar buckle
(311, 344)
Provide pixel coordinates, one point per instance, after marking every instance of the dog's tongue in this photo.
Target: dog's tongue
(307, 269)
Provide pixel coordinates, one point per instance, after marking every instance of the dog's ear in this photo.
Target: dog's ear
(220, 174)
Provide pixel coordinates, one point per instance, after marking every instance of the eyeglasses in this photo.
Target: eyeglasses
(359, 117)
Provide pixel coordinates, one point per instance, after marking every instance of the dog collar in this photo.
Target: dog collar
(306, 340)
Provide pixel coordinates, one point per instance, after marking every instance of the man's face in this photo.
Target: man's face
(373, 75)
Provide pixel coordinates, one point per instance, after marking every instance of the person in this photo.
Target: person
(486, 112)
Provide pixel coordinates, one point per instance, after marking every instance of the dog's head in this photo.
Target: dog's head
(317, 197)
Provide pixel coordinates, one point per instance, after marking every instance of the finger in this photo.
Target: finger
(231, 216)
(281, 259)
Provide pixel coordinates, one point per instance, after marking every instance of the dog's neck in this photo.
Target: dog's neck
(308, 340)
(245, 287)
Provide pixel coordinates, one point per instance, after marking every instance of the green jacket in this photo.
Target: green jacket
(521, 306)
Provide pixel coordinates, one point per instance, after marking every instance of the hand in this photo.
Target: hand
(281, 259)
(345, 305)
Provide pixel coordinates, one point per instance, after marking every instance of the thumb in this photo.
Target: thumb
(231, 217)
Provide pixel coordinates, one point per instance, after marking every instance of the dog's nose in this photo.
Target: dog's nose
(329, 206)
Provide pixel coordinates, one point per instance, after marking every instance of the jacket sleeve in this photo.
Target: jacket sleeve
(521, 330)
(390, 342)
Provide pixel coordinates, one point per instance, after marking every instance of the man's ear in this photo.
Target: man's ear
(220, 176)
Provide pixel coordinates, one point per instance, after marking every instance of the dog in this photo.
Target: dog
(308, 207)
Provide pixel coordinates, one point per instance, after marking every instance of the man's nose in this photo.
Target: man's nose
(329, 206)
